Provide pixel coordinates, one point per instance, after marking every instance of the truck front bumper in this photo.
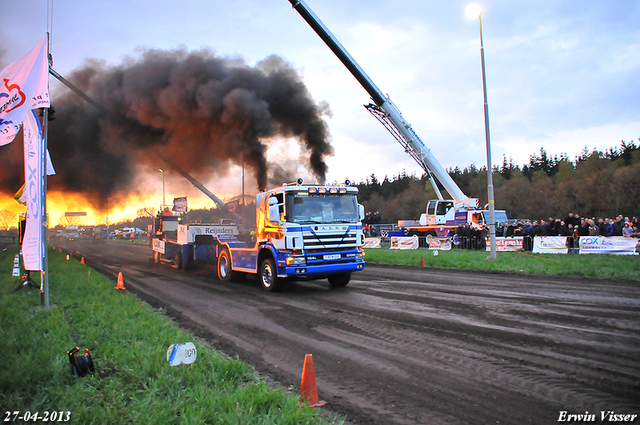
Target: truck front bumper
(318, 271)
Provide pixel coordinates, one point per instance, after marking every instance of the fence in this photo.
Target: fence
(537, 244)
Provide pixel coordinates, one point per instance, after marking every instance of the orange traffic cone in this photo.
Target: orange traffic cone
(82, 260)
(308, 390)
(422, 261)
(120, 284)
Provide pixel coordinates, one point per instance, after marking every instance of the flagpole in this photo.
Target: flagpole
(45, 219)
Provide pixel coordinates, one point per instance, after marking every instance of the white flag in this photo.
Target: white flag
(32, 243)
(24, 85)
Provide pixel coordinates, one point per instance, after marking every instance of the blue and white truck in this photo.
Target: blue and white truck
(302, 232)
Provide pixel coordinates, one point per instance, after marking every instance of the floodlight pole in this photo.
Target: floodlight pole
(492, 216)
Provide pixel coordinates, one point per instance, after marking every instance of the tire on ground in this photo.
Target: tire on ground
(269, 275)
(339, 280)
(224, 266)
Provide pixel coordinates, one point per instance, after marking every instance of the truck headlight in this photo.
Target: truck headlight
(296, 261)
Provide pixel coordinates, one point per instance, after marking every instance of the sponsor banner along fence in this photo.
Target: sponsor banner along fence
(439, 243)
(541, 244)
(371, 243)
(608, 245)
(408, 242)
(550, 245)
(506, 244)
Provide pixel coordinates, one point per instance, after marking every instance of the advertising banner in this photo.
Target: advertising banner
(406, 242)
(443, 244)
(550, 245)
(180, 204)
(608, 245)
(23, 87)
(371, 243)
(32, 245)
(506, 244)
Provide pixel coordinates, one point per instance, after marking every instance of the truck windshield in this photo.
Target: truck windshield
(303, 207)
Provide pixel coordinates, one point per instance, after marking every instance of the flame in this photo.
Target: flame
(59, 203)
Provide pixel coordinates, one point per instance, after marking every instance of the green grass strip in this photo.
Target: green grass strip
(128, 341)
(603, 266)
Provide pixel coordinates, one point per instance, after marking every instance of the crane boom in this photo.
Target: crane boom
(388, 113)
(219, 203)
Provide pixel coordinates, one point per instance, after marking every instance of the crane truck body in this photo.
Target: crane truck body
(441, 215)
(302, 232)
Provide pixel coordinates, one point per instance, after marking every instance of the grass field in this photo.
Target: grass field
(619, 267)
(128, 340)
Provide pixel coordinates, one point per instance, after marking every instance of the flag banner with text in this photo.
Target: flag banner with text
(23, 86)
(32, 244)
(608, 245)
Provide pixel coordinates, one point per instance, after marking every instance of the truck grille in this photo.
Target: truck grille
(330, 242)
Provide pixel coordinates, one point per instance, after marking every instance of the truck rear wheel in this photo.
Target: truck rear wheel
(269, 275)
(339, 280)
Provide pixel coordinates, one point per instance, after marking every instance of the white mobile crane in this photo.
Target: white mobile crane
(442, 215)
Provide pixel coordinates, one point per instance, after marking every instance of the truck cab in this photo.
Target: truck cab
(438, 212)
(302, 231)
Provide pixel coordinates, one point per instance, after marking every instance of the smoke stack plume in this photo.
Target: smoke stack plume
(203, 111)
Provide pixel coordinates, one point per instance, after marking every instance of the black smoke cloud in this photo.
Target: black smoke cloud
(202, 111)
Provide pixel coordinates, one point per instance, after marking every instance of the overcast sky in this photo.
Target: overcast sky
(561, 75)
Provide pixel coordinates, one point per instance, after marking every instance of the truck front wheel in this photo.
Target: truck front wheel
(339, 280)
(269, 275)
(224, 266)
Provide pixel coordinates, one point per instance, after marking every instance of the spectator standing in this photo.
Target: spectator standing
(570, 220)
(564, 229)
(584, 227)
(607, 229)
(545, 228)
(617, 226)
(536, 230)
(377, 220)
(627, 230)
(593, 229)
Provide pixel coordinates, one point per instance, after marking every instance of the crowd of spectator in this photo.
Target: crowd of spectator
(572, 225)
(371, 224)
(474, 235)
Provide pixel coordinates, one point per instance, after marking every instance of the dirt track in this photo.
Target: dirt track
(415, 345)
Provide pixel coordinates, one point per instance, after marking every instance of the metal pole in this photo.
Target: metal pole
(162, 205)
(492, 215)
(44, 277)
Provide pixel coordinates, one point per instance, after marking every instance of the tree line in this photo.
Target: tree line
(595, 184)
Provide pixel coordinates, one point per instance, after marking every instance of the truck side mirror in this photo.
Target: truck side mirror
(274, 214)
(361, 211)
